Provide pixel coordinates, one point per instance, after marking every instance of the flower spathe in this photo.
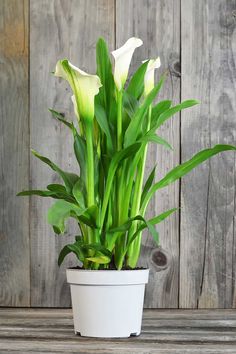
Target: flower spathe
(84, 86)
(123, 56)
(149, 75)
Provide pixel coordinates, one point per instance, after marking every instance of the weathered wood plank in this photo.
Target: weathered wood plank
(193, 314)
(41, 330)
(14, 154)
(67, 28)
(47, 331)
(44, 330)
(157, 23)
(207, 251)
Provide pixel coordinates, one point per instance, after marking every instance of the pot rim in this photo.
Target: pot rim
(107, 277)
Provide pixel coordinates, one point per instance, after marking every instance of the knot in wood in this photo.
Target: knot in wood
(175, 68)
(159, 259)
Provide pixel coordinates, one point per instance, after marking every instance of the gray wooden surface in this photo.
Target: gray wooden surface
(14, 154)
(145, 19)
(207, 248)
(163, 331)
(55, 36)
(196, 43)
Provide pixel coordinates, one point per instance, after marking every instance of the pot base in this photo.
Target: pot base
(126, 336)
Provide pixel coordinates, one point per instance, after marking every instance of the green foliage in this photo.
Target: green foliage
(109, 197)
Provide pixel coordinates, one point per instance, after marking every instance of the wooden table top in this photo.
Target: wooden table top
(163, 331)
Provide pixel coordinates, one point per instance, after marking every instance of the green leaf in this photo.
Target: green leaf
(68, 178)
(72, 248)
(130, 104)
(93, 252)
(151, 137)
(154, 221)
(80, 154)
(59, 212)
(117, 158)
(60, 117)
(136, 85)
(115, 232)
(171, 111)
(79, 193)
(64, 252)
(59, 188)
(56, 194)
(148, 184)
(99, 253)
(135, 125)
(158, 109)
(104, 71)
(186, 167)
(38, 192)
(101, 118)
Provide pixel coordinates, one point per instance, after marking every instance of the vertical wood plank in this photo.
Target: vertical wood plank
(14, 154)
(207, 252)
(157, 23)
(65, 28)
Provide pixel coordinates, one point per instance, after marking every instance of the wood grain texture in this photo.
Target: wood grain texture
(14, 155)
(58, 29)
(207, 250)
(163, 331)
(157, 23)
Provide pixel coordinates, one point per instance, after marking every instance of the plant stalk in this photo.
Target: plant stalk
(90, 171)
(134, 249)
(119, 120)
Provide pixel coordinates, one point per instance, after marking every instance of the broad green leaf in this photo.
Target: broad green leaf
(184, 168)
(59, 212)
(59, 188)
(136, 85)
(134, 127)
(171, 111)
(79, 193)
(68, 178)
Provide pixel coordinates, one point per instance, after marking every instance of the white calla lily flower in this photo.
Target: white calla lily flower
(84, 86)
(123, 56)
(149, 75)
(75, 106)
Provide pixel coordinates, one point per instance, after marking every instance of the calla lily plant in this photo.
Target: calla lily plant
(114, 124)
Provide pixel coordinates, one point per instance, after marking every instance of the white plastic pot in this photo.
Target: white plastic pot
(107, 303)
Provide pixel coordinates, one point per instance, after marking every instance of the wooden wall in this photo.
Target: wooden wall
(196, 41)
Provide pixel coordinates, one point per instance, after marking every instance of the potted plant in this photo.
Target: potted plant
(109, 197)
